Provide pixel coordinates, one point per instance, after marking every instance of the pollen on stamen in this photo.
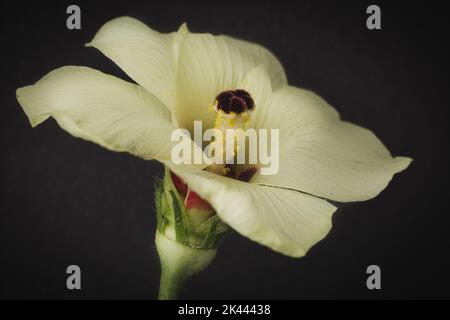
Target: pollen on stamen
(234, 102)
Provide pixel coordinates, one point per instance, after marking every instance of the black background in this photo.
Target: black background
(66, 201)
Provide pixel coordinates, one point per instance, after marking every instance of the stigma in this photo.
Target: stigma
(234, 102)
(233, 108)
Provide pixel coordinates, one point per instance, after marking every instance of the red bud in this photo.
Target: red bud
(194, 201)
(179, 184)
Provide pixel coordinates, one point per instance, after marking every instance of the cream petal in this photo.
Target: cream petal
(147, 56)
(262, 56)
(210, 64)
(101, 108)
(323, 156)
(257, 83)
(287, 221)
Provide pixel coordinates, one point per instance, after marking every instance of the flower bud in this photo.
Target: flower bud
(186, 217)
(188, 233)
(198, 209)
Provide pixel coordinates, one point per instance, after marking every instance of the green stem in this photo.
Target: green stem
(170, 285)
(178, 262)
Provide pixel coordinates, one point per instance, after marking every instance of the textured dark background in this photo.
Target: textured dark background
(66, 201)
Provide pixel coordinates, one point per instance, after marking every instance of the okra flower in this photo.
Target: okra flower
(223, 82)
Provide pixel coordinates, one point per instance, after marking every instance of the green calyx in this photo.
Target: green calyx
(192, 228)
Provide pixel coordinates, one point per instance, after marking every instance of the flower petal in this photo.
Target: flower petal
(287, 221)
(323, 156)
(210, 64)
(147, 56)
(257, 83)
(101, 108)
(262, 56)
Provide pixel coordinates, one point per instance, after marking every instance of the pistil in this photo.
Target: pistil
(233, 112)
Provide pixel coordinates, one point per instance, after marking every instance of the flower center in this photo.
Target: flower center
(233, 111)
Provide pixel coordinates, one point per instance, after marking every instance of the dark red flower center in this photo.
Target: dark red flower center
(236, 101)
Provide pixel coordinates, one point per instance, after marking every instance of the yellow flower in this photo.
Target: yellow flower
(178, 76)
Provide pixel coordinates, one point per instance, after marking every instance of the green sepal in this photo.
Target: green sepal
(161, 220)
(180, 225)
